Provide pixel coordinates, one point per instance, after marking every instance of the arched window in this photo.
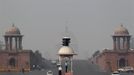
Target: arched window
(12, 62)
(122, 63)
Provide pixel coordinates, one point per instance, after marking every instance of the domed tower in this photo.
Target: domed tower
(67, 53)
(121, 38)
(13, 38)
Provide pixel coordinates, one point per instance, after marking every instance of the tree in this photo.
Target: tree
(96, 53)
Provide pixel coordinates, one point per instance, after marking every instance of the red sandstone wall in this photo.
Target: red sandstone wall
(130, 58)
(112, 59)
(3, 59)
(101, 62)
(108, 61)
(23, 60)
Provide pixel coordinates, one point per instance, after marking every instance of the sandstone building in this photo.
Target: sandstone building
(14, 57)
(120, 56)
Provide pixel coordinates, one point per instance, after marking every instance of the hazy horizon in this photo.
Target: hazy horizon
(90, 23)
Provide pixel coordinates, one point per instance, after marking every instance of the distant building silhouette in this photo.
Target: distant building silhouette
(120, 56)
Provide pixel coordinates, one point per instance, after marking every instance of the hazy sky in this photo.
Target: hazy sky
(90, 23)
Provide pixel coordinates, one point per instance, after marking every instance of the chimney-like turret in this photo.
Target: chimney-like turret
(66, 41)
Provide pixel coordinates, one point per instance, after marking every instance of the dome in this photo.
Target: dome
(121, 31)
(12, 31)
(65, 50)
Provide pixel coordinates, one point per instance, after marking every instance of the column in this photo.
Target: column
(20, 42)
(59, 60)
(6, 42)
(114, 43)
(123, 42)
(128, 42)
(71, 59)
(118, 43)
(16, 44)
(10, 43)
(66, 66)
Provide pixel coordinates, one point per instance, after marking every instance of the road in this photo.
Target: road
(80, 67)
(83, 67)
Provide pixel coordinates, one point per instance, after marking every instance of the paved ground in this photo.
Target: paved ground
(81, 67)
(85, 68)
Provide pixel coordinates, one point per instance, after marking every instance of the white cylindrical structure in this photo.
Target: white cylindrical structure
(59, 60)
(71, 64)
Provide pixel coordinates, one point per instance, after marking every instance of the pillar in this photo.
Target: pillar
(16, 43)
(10, 43)
(114, 43)
(71, 64)
(118, 43)
(20, 42)
(66, 67)
(123, 42)
(128, 42)
(6, 42)
(59, 60)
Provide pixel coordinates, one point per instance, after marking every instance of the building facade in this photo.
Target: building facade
(14, 57)
(120, 56)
